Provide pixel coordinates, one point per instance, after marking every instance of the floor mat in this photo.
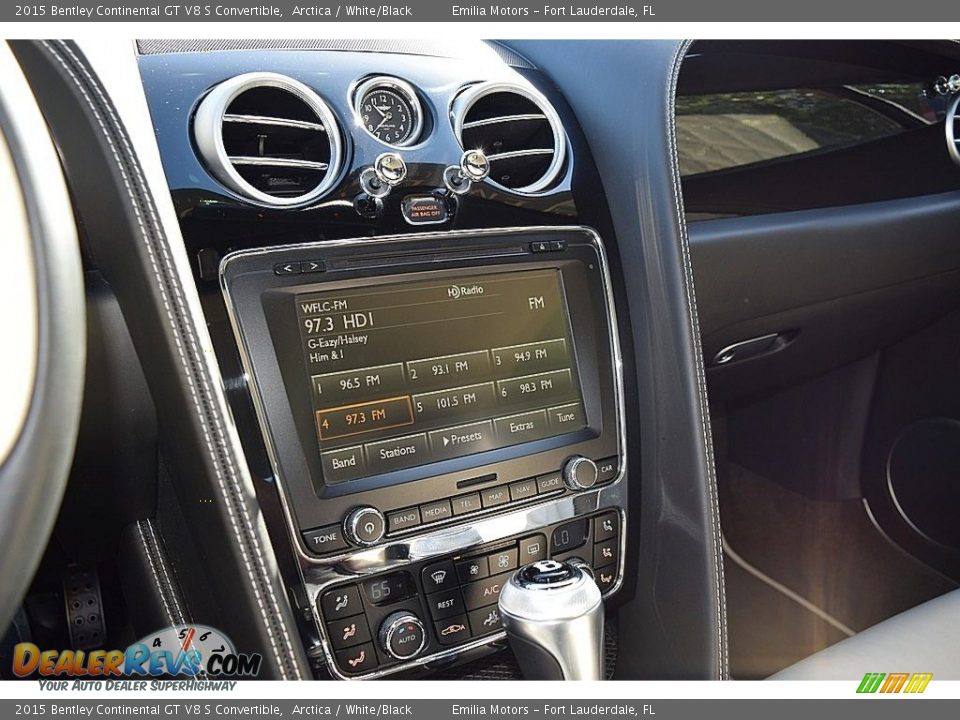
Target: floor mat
(827, 552)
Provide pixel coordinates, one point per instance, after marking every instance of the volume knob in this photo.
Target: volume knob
(580, 473)
(364, 526)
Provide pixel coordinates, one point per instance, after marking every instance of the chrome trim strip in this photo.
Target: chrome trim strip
(320, 573)
(469, 95)
(280, 122)
(521, 117)
(519, 153)
(277, 162)
(952, 131)
(209, 118)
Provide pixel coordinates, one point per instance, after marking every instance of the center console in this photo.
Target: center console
(438, 409)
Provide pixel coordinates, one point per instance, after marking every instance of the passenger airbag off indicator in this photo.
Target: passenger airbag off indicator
(424, 210)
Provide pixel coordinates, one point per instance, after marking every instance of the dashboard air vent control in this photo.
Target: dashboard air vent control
(269, 138)
(517, 130)
(952, 126)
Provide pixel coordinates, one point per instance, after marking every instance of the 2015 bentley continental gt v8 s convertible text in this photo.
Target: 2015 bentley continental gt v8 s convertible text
(487, 360)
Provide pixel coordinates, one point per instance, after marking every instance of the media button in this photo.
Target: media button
(398, 452)
(403, 519)
(343, 464)
(538, 389)
(492, 497)
(449, 369)
(463, 504)
(462, 440)
(567, 418)
(523, 490)
(455, 402)
(522, 427)
(435, 511)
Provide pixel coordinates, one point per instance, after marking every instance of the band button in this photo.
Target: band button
(403, 519)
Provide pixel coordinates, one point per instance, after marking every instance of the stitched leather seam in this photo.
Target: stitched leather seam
(161, 561)
(156, 577)
(703, 405)
(192, 367)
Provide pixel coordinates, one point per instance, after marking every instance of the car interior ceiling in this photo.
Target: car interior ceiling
(775, 221)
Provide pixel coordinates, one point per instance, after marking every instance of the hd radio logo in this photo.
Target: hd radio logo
(189, 651)
(913, 683)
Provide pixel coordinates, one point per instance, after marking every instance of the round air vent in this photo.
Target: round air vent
(953, 130)
(518, 131)
(269, 138)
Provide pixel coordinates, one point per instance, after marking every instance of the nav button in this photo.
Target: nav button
(344, 464)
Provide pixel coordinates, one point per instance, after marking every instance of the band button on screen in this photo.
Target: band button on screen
(343, 464)
(398, 452)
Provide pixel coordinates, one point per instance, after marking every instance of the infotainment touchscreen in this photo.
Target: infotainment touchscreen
(407, 374)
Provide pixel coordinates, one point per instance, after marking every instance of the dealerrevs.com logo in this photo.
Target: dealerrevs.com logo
(888, 683)
(180, 651)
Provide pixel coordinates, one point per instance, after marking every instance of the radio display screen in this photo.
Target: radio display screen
(412, 373)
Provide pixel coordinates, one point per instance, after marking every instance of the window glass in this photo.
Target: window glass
(721, 131)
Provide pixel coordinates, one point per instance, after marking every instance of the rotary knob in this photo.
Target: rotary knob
(364, 526)
(580, 473)
(402, 635)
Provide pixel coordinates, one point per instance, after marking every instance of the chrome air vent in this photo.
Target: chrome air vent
(517, 129)
(953, 130)
(270, 139)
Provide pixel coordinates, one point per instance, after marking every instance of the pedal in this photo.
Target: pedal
(84, 606)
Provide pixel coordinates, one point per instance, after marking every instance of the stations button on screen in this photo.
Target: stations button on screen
(460, 368)
(531, 357)
(522, 427)
(344, 464)
(462, 440)
(398, 453)
(455, 402)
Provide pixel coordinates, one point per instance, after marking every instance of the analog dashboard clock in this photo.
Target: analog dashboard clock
(388, 109)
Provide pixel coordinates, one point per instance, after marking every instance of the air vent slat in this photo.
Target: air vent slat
(278, 162)
(270, 139)
(518, 131)
(280, 122)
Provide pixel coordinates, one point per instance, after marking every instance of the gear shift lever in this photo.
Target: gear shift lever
(553, 614)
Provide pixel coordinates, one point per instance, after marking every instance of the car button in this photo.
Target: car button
(607, 469)
(472, 569)
(453, 630)
(484, 592)
(606, 526)
(326, 539)
(341, 603)
(349, 632)
(439, 576)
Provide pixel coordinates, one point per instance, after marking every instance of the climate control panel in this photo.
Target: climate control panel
(429, 608)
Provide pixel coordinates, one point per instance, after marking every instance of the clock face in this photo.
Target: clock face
(389, 116)
(206, 640)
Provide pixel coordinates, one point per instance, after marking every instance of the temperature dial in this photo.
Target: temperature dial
(402, 635)
(364, 526)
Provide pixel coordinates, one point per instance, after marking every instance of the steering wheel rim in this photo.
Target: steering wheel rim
(44, 375)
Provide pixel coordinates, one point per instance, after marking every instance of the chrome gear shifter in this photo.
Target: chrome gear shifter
(553, 614)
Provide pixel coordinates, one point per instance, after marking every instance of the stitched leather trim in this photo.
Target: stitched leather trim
(723, 661)
(230, 481)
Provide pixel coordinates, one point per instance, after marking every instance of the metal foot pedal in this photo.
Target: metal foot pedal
(84, 606)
